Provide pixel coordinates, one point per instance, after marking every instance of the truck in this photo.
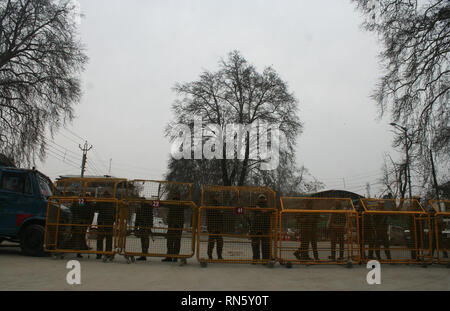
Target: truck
(24, 195)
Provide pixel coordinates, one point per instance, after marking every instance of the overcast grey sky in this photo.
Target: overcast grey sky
(139, 49)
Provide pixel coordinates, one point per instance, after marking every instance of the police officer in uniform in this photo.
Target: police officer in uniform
(175, 222)
(308, 234)
(381, 224)
(105, 220)
(336, 225)
(77, 208)
(214, 224)
(260, 230)
(144, 224)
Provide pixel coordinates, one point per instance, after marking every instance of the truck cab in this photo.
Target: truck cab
(23, 205)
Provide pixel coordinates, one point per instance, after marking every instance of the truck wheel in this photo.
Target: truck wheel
(32, 240)
(1, 240)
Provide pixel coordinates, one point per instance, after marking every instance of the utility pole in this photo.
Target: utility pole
(85, 149)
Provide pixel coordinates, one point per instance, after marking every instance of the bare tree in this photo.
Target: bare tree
(394, 178)
(415, 88)
(40, 63)
(238, 94)
(416, 56)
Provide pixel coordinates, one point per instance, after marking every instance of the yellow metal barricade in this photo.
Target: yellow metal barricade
(326, 228)
(83, 216)
(441, 225)
(237, 225)
(395, 231)
(159, 220)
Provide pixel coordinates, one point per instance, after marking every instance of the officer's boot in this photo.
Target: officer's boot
(255, 248)
(388, 254)
(210, 248)
(219, 247)
(378, 253)
(333, 251)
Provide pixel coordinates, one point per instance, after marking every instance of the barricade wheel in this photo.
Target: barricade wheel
(133, 260)
(182, 262)
(289, 265)
(349, 265)
(270, 264)
(203, 264)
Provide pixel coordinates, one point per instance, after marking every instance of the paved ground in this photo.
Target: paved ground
(18, 272)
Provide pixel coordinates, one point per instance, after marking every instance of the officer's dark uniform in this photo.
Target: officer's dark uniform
(337, 230)
(82, 216)
(260, 231)
(175, 221)
(144, 224)
(308, 234)
(381, 235)
(105, 222)
(214, 223)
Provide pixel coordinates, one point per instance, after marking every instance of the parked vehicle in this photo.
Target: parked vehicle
(24, 196)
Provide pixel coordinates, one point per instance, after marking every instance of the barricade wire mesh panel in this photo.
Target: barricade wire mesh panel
(442, 237)
(227, 234)
(395, 231)
(441, 226)
(159, 190)
(92, 187)
(440, 206)
(159, 220)
(83, 216)
(237, 224)
(318, 231)
(393, 205)
(81, 225)
(163, 229)
(244, 196)
(316, 204)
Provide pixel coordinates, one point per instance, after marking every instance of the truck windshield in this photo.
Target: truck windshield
(45, 186)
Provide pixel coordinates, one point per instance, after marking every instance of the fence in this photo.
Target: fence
(239, 223)
(329, 225)
(161, 212)
(441, 224)
(82, 216)
(400, 228)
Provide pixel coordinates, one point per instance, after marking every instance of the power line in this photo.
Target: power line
(91, 165)
(365, 174)
(58, 153)
(62, 147)
(74, 134)
(64, 153)
(58, 157)
(72, 140)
